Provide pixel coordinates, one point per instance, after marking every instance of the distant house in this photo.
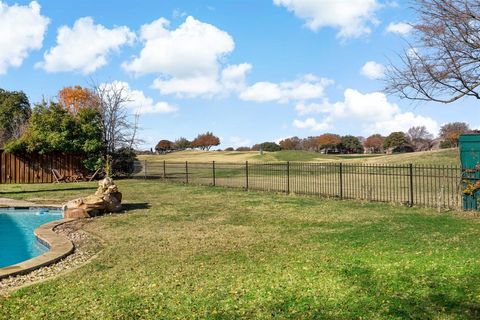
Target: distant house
(330, 151)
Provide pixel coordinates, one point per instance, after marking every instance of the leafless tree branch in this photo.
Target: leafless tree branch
(443, 64)
(118, 128)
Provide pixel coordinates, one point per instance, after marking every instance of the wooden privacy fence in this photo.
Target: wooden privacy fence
(422, 185)
(36, 168)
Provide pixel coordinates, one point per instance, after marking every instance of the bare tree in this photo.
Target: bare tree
(119, 130)
(135, 140)
(443, 62)
(450, 132)
(420, 138)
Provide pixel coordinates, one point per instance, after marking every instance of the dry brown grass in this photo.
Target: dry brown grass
(434, 157)
(202, 156)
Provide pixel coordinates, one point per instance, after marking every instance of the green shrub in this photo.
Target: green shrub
(270, 146)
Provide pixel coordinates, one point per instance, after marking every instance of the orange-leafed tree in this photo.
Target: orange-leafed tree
(293, 143)
(328, 142)
(450, 132)
(310, 144)
(205, 141)
(75, 98)
(164, 146)
(374, 143)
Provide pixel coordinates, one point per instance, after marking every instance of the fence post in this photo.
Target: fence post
(246, 175)
(410, 167)
(288, 177)
(186, 172)
(213, 172)
(164, 170)
(340, 171)
(145, 169)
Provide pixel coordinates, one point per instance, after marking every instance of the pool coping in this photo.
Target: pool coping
(59, 247)
(33, 205)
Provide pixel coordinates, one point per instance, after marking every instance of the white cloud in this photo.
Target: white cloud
(177, 13)
(373, 70)
(188, 59)
(188, 87)
(312, 124)
(262, 92)
(233, 76)
(143, 104)
(372, 110)
(240, 142)
(304, 88)
(392, 4)
(193, 49)
(402, 122)
(353, 17)
(309, 108)
(23, 29)
(371, 106)
(84, 47)
(401, 28)
(138, 102)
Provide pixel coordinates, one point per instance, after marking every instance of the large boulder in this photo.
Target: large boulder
(76, 213)
(107, 198)
(113, 202)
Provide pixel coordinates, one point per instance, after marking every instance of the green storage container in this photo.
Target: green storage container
(470, 151)
(469, 145)
(470, 202)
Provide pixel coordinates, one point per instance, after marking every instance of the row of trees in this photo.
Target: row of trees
(89, 121)
(265, 146)
(326, 143)
(203, 141)
(415, 139)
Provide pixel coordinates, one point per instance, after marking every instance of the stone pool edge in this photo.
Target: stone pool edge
(59, 247)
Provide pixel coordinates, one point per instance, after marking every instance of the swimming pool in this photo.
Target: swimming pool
(17, 239)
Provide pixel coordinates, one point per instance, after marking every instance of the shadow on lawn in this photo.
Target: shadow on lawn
(135, 206)
(46, 190)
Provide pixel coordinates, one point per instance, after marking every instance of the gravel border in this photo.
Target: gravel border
(86, 246)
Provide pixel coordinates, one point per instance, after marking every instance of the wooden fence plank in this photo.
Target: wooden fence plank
(36, 168)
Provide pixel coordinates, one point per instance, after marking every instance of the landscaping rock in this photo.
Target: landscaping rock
(107, 198)
(113, 202)
(77, 213)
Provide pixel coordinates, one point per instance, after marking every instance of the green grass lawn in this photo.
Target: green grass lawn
(198, 252)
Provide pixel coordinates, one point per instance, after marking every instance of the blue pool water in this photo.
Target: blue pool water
(17, 240)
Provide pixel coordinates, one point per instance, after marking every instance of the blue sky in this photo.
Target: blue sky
(248, 70)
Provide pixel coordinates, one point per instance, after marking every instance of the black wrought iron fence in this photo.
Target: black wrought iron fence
(421, 185)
